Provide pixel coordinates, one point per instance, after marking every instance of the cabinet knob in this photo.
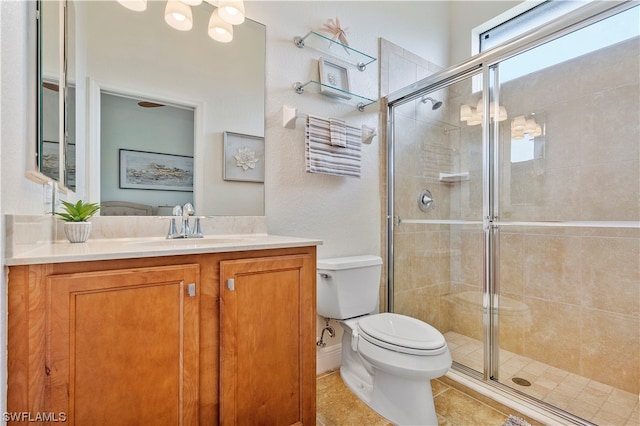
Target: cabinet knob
(231, 284)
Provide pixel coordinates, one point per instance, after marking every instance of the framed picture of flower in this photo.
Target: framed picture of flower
(243, 157)
(334, 79)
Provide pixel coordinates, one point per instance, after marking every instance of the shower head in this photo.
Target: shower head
(434, 104)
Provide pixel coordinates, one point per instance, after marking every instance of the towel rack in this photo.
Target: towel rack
(290, 115)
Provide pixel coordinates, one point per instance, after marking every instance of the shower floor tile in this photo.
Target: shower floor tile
(593, 401)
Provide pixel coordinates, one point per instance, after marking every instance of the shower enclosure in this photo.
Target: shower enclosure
(514, 210)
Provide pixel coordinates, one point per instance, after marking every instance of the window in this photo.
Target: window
(602, 34)
(516, 22)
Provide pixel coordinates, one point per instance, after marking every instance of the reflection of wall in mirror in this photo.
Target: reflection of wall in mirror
(49, 100)
(140, 53)
(126, 125)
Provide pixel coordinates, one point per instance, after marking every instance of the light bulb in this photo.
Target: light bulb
(530, 126)
(517, 134)
(231, 11)
(475, 119)
(502, 115)
(518, 123)
(135, 5)
(178, 15)
(220, 30)
(465, 112)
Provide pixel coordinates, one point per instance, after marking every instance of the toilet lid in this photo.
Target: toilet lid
(400, 331)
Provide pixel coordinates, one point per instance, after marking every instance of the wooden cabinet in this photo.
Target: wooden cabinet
(138, 341)
(267, 322)
(123, 346)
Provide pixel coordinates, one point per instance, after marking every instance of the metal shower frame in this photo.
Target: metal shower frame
(485, 64)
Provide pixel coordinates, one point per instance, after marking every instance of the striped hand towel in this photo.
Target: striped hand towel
(338, 132)
(323, 157)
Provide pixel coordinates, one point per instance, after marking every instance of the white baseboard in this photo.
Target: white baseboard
(328, 358)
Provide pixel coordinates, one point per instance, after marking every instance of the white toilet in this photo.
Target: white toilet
(388, 359)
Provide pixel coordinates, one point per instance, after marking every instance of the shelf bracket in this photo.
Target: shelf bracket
(299, 87)
(299, 41)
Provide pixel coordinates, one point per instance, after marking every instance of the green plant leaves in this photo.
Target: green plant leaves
(78, 212)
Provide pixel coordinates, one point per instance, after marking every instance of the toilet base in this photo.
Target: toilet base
(400, 402)
(383, 382)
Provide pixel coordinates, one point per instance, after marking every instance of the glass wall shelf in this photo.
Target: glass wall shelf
(360, 101)
(336, 49)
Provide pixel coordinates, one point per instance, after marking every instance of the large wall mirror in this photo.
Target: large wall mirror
(144, 95)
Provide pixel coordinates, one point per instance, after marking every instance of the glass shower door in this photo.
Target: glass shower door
(567, 216)
(438, 234)
(521, 244)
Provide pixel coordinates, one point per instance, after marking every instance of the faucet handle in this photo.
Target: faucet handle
(177, 210)
(172, 229)
(197, 229)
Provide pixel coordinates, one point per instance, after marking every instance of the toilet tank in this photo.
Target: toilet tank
(348, 287)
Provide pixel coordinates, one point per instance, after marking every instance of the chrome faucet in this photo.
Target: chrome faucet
(184, 212)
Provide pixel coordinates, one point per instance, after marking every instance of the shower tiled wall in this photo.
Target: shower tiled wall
(571, 295)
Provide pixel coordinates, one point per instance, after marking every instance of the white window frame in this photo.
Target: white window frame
(523, 24)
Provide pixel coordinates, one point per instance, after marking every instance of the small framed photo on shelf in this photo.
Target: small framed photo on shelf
(336, 76)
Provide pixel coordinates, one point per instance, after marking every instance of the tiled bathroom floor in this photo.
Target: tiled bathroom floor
(338, 406)
(593, 401)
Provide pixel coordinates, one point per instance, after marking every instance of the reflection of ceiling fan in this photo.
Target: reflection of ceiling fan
(50, 86)
(147, 104)
(143, 104)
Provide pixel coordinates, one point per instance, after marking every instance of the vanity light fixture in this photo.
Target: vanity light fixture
(231, 11)
(522, 126)
(473, 116)
(135, 5)
(178, 15)
(220, 30)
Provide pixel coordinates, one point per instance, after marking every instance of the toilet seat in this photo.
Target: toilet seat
(401, 333)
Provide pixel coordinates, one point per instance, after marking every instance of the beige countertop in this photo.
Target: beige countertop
(34, 240)
(127, 248)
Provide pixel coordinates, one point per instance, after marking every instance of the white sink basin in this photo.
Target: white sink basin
(190, 242)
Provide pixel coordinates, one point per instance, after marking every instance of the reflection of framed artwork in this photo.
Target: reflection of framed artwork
(70, 169)
(50, 161)
(50, 166)
(151, 170)
(243, 157)
(336, 76)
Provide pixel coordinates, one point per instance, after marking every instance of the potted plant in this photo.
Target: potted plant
(75, 216)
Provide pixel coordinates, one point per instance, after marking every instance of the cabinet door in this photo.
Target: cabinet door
(122, 346)
(267, 358)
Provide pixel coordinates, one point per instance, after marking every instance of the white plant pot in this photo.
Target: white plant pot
(77, 232)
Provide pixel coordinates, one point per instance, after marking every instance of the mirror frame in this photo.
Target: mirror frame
(36, 173)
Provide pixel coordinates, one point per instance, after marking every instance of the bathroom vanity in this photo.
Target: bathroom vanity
(148, 331)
